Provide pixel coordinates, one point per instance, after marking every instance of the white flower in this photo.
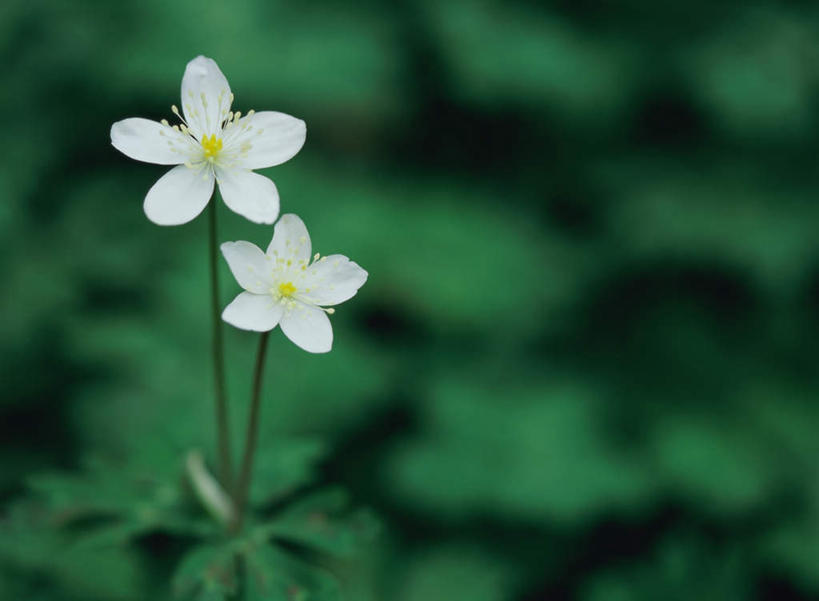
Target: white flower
(284, 287)
(211, 143)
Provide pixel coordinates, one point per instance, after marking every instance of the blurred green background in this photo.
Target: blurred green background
(583, 367)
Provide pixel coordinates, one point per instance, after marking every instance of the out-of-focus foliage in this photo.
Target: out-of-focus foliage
(583, 366)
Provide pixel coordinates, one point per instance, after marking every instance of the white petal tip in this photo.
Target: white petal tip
(322, 351)
(264, 220)
(201, 58)
(226, 319)
(158, 221)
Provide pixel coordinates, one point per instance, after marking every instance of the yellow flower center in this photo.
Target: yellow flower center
(287, 289)
(211, 145)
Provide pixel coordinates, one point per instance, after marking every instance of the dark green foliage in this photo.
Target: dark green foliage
(584, 364)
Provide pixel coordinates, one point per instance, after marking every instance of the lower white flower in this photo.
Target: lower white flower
(212, 144)
(286, 286)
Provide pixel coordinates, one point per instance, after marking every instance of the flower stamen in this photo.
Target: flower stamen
(211, 145)
(287, 289)
(175, 111)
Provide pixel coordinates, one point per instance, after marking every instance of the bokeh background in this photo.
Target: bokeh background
(584, 365)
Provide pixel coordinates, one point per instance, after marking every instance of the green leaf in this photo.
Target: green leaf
(111, 535)
(323, 523)
(121, 532)
(73, 496)
(131, 500)
(206, 570)
(273, 575)
(35, 551)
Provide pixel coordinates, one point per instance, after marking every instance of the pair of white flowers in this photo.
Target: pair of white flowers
(286, 285)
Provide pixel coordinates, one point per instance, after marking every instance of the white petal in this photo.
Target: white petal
(250, 266)
(205, 96)
(256, 312)
(273, 138)
(151, 142)
(179, 195)
(251, 195)
(290, 240)
(308, 328)
(331, 280)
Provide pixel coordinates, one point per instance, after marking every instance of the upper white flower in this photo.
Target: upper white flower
(286, 286)
(211, 143)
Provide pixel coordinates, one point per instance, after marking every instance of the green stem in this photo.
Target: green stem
(243, 485)
(225, 462)
(240, 572)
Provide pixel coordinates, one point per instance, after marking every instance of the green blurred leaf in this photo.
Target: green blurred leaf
(530, 55)
(455, 571)
(323, 522)
(130, 502)
(755, 75)
(725, 470)
(206, 571)
(275, 576)
(682, 568)
(282, 465)
(544, 442)
(41, 553)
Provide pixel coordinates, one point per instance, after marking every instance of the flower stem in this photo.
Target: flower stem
(225, 463)
(240, 573)
(243, 485)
